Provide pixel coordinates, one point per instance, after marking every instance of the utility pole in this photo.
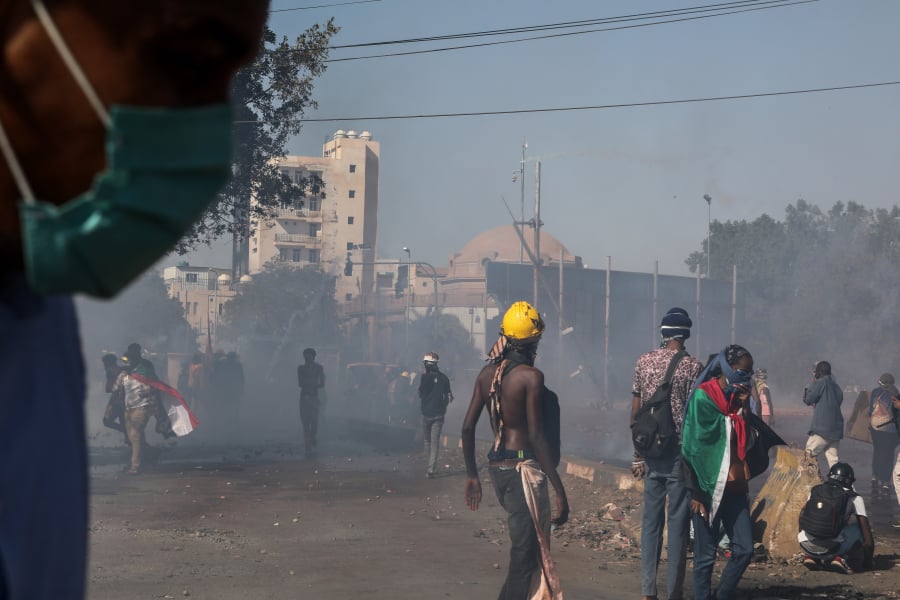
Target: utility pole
(522, 199)
(407, 292)
(537, 232)
(708, 231)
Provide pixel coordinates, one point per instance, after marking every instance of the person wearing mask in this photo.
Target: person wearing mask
(715, 451)
(827, 427)
(666, 499)
(310, 378)
(884, 435)
(435, 395)
(141, 401)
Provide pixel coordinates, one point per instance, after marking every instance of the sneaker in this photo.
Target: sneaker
(810, 563)
(839, 565)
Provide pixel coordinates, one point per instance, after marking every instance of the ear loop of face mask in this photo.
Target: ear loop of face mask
(53, 33)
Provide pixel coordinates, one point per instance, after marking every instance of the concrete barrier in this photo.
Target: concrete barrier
(776, 510)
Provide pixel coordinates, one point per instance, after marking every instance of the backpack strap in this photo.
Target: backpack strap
(670, 372)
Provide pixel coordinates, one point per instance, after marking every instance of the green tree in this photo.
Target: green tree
(269, 98)
(284, 302)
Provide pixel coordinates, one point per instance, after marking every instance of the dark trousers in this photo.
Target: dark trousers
(883, 444)
(734, 515)
(309, 416)
(523, 547)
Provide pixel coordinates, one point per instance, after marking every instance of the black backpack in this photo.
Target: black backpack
(822, 516)
(653, 431)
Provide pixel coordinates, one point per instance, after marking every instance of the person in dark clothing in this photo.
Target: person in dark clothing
(884, 435)
(827, 427)
(435, 395)
(310, 378)
(114, 415)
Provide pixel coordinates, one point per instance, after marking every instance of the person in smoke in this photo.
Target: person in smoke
(827, 427)
(521, 460)
(114, 415)
(435, 395)
(662, 478)
(884, 434)
(310, 378)
(714, 449)
(196, 382)
(141, 401)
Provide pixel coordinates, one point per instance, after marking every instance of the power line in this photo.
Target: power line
(590, 107)
(566, 24)
(323, 6)
(778, 4)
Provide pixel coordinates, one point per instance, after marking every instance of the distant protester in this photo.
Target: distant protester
(827, 427)
(829, 535)
(435, 395)
(311, 379)
(884, 435)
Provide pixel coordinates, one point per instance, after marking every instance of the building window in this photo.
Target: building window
(313, 256)
(315, 205)
(352, 193)
(295, 255)
(353, 168)
(195, 308)
(220, 308)
(349, 245)
(349, 220)
(190, 277)
(298, 177)
(314, 229)
(348, 297)
(283, 254)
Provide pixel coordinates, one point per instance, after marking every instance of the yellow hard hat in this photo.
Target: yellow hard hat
(522, 322)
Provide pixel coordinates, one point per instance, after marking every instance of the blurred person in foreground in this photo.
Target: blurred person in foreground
(724, 445)
(114, 415)
(827, 427)
(521, 461)
(884, 435)
(435, 396)
(133, 97)
(829, 535)
(666, 499)
(311, 379)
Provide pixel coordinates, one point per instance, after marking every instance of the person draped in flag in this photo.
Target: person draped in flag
(141, 401)
(521, 460)
(714, 449)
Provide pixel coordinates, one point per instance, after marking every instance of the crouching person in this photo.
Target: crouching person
(829, 536)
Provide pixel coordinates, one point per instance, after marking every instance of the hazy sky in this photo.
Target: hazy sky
(625, 182)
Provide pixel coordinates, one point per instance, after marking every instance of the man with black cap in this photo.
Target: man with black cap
(662, 474)
(141, 401)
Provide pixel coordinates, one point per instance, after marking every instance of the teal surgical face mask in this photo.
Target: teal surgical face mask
(164, 168)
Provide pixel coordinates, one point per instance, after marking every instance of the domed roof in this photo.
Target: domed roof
(501, 244)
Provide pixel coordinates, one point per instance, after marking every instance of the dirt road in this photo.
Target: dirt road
(260, 522)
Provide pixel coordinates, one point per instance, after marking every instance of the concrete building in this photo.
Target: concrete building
(338, 224)
(203, 292)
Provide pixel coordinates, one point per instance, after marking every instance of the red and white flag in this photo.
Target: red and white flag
(182, 419)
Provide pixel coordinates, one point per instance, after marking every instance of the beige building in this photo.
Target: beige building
(203, 292)
(338, 224)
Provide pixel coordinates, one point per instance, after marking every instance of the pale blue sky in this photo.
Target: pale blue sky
(623, 182)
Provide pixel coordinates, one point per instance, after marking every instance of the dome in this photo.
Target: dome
(501, 244)
(340, 133)
(224, 278)
(246, 279)
(351, 133)
(365, 135)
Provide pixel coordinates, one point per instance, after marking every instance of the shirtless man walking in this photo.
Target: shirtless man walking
(521, 460)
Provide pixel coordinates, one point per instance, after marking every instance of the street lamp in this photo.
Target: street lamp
(708, 230)
(408, 266)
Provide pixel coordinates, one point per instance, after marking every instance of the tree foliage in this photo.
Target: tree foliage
(269, 98)
(817, 285)
(284, 302)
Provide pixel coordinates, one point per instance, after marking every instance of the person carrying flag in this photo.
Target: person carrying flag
(715, 451)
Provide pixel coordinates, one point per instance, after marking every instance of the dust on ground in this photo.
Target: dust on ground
(262, 522)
